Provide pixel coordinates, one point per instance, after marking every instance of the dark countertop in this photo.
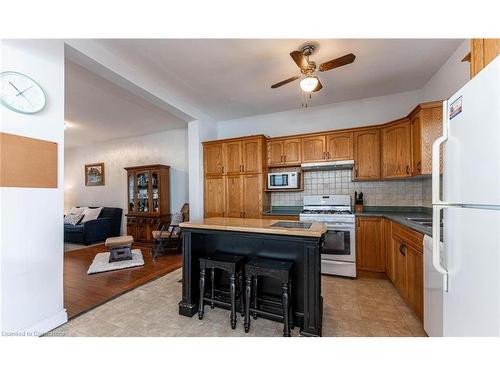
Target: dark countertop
(394, 213)
(283, 210)
(399, 215)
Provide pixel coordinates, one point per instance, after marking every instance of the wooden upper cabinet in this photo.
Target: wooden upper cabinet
(232, 157)
(214, 196)
(426, 127)
(313, 148)
(370, 252)
(252, 199)
(482, 52)
(275, 153)
(339, 146)
(252, 156)
(234, 196)
(284, 152)
(213, 161)
(291, 151)
(366, 154)
(396, 150)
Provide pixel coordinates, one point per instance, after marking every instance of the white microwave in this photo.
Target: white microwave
(283, 180)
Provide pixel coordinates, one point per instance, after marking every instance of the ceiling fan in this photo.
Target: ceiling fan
(310, 82)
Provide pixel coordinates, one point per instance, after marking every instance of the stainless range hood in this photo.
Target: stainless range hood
(328, 165)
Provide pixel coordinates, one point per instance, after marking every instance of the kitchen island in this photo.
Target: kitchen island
(262, 238)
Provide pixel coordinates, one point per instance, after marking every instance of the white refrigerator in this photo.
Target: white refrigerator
(468, 198)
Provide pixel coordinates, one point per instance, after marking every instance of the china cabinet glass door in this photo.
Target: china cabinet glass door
(155, 196)
(131, 192)
(143, 183)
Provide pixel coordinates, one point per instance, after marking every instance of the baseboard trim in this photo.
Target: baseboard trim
(48, 324)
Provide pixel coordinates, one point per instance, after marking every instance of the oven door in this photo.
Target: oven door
(339, 244)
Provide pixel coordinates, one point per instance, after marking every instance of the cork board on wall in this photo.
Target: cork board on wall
(27, 162)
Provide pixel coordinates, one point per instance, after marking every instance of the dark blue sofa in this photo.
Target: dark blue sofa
(108, 224)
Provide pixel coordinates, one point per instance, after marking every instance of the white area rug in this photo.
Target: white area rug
(101, 262)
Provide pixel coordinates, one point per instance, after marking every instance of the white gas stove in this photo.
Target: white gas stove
(338, 256)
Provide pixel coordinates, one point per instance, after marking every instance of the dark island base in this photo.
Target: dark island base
(303, 251)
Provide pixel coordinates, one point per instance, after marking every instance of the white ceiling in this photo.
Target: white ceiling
(97, 110)
(231, 78)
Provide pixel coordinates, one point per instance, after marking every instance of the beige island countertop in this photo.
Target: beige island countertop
(254, 226)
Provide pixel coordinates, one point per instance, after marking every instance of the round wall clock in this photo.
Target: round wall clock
(20, 93)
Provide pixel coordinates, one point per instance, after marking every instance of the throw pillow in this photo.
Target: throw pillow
(75, 211)
(72, 219)
(91, 214)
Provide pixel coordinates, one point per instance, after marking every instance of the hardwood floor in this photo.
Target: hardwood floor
(83, 292)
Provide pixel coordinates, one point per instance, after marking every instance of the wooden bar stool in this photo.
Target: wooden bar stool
(276, 269)
(233, 265)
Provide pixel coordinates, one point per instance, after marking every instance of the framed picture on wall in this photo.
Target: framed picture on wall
(94, 174)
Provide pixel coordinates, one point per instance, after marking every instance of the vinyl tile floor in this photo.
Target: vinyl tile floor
(361, 307)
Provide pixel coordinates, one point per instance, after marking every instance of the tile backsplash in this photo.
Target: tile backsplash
(411, 192)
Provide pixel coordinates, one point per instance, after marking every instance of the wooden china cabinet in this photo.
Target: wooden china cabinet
(147, 200)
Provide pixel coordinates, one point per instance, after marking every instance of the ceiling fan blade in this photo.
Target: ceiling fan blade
(335, 63)
(279, 84)
(319, 86)
(299, 59)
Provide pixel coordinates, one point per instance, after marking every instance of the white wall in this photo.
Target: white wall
(31, 224)
(199, 131)
(450, 77)
(342, 115)
(169, 148)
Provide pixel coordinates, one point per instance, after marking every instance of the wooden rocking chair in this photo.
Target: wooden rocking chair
(168, 238)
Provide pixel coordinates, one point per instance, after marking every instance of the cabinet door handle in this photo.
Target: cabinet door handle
(284, 158)
(324, 155)
(244, 213)
(419, 166)
(243, 168)
(401, 248)
(356, 172)
(407, 169)
(222, 169)
(328, 154)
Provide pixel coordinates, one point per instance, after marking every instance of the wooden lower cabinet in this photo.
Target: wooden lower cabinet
(408, 258)
(415, 280)
(399, 257)
(239, 195)
(252, 196)
(214, 196)
(141, 227)
(389, 256)
(370, 252)
(385, 246)
(234, 196)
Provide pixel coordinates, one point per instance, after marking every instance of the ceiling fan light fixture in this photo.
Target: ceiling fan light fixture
(308, 84)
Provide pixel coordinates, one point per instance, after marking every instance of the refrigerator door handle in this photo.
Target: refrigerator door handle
(437, 203)
(436, 248)
(436, 158)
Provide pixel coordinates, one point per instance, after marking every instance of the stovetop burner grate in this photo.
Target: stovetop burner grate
(327, 212)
